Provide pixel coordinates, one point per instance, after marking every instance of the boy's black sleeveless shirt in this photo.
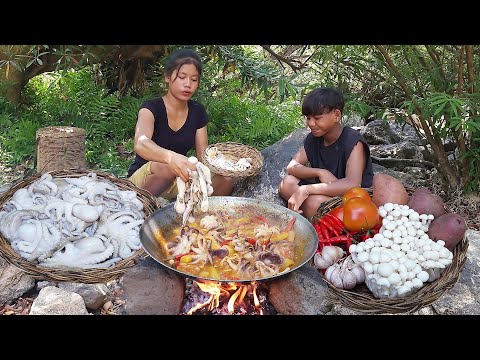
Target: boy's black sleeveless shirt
(334, 157)
(180, 141)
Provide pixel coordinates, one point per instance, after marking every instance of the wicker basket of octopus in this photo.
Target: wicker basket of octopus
(73, 225)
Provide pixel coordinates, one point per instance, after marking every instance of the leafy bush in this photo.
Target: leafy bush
(74, 99)
(250, 122)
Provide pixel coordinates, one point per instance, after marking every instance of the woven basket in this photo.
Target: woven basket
(59, 148)
(361, 298)
(234, 151)
(76, 275)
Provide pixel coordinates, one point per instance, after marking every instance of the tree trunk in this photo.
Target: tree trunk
(11, 78)
(15, 79)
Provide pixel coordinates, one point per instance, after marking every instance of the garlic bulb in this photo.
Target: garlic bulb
(345, 275)
(327, 257)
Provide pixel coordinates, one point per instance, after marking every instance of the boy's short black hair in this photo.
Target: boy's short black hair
(181, 57)
(322, 100)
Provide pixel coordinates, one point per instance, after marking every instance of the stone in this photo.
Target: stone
(276, 157)
(94, 295)
(301, 292)
(55, 301)
(14, 282)
(151, 289)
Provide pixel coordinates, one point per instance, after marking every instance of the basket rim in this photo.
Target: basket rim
(93, 275)
(252, 152)
(361, 299)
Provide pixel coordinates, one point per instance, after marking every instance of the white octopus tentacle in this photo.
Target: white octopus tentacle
(26, 245)
(50, 237)
(96, 258)
(116, 246)
(55, 209)
(10, 222)
(180, 202)
(44, 185)
(133, 241)
(130, 196)
(12, 205)
(124, 250)
(85, 252)
(74, 195)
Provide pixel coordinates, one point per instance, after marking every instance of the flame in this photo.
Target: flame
(236, 300)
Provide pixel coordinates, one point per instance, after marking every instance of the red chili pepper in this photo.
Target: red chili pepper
(345, 240)
(317, 228)
(340, 238)
(225, 242)
(329, 226)
(324, 230)
(251, 241)
(335, 221)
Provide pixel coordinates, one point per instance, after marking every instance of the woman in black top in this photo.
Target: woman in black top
(339, 157)
(168, 127)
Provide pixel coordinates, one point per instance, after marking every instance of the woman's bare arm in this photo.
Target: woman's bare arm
(149, 150)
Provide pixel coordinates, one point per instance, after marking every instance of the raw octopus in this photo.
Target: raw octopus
(79, 222)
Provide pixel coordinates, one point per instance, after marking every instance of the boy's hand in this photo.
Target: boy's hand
(297, 199)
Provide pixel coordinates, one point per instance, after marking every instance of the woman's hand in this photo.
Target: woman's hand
(297, 199)
(179, 164)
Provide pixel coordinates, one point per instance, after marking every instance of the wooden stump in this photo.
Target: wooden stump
(60, 148)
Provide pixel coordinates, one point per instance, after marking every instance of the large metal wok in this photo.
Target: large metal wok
(162, 222)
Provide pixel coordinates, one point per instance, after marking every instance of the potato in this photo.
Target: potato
(424, 202)
(449, 227)
(387, 189)
(423, 190)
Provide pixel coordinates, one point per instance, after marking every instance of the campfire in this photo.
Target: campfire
(217, 298)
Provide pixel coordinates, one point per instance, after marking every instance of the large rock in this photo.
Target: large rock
(463, 298)
(151, 289)
(276, 157)
(400, 150)
(379, 132)
(55, 301)
(94, 295)
(13, 282)
(301, 292)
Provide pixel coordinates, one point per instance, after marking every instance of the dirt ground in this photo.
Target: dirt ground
(9, 175)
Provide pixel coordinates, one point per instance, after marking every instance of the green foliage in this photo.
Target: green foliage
(18, 139)
(72, 99)
(242, 87)
(250, 122)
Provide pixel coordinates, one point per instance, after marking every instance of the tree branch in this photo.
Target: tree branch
(434, 141)
(469, 53)
(460, 71)
(436, 59)
(286, 60)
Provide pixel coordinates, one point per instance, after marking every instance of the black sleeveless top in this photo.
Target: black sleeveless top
(334, 156)
(180, 141)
